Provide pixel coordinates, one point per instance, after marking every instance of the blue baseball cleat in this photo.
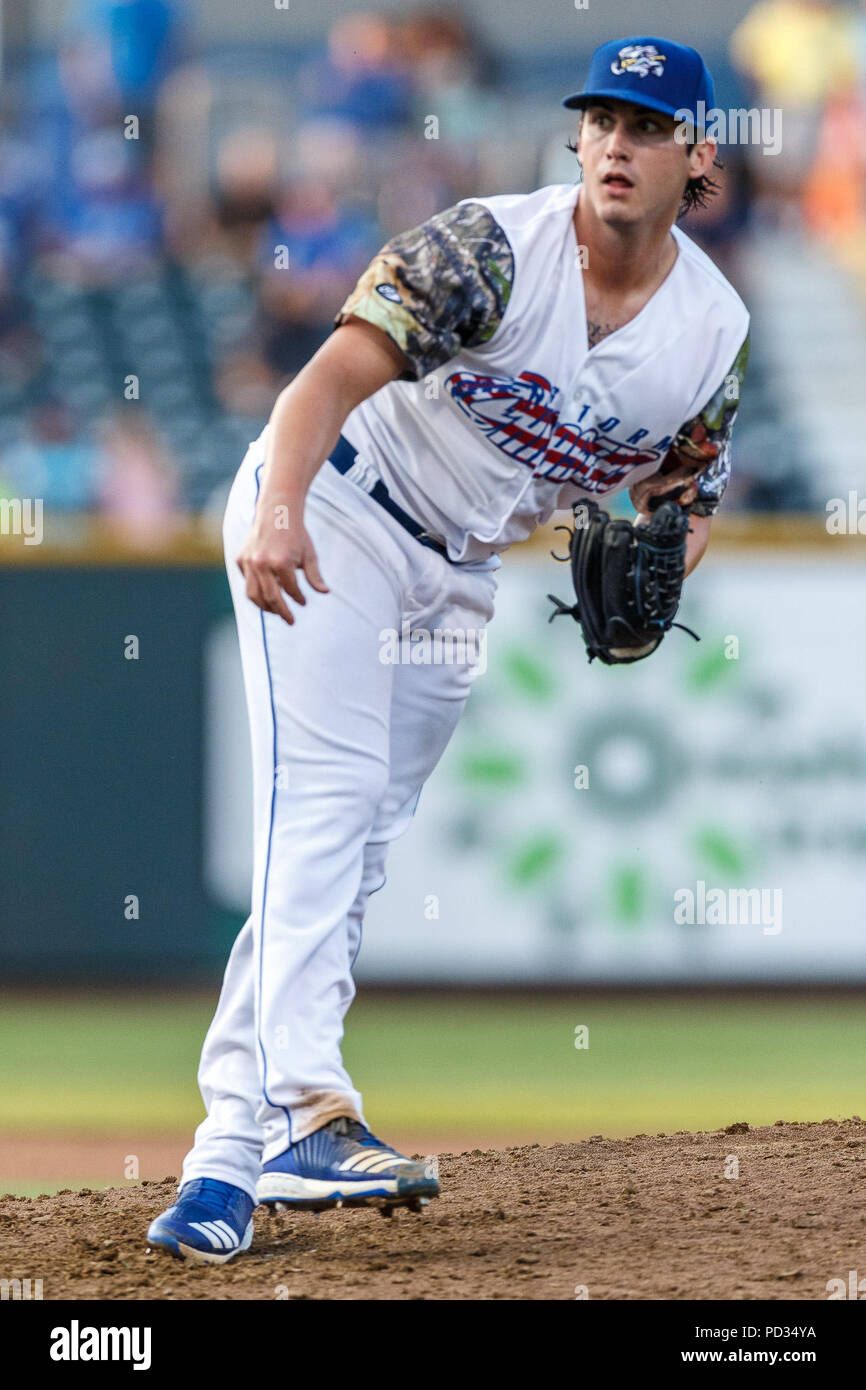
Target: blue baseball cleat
(210, 1223)
(343, 1164)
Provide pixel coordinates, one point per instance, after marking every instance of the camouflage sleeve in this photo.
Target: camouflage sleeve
(706, 438)
(436, 289)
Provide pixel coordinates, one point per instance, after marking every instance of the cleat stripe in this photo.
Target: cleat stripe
(225, 1230)
(225, 1244)
(363, 1163)
(217, 1242)
(210, 1229)
(380, 1164)
(224, 1226)
(358, 1161)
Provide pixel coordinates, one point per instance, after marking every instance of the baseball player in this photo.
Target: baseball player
(512, 356)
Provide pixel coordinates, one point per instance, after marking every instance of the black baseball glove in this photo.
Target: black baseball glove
(628, 580)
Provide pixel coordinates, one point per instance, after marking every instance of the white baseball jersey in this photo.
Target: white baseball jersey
(505, 413)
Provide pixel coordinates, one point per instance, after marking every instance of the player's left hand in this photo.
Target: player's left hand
(679, 484)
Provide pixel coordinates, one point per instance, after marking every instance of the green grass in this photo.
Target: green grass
(507, 1070)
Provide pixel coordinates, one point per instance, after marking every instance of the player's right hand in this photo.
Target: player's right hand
(270, 561)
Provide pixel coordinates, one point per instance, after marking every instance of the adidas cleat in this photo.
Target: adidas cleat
(210, 1223)
(343, 1164)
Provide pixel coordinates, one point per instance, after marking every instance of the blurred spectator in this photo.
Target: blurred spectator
(106, 222)
(245, 386)
(100, 216)
(310, 256)
(447, 70)
(835, 191)
(246, 178)
(24, 175)
(135, 41)
(137, 487)
(244, 196)
(363, 79)
(795, 55)
(52, 461)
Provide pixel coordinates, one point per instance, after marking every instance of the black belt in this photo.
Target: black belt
(344, 456)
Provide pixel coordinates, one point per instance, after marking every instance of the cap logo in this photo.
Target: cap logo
(641, 59)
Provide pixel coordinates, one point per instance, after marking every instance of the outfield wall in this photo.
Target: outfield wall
(738, 764)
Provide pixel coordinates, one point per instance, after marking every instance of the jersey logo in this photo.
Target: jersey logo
(388, 292)
(641, 59)
(518, 417)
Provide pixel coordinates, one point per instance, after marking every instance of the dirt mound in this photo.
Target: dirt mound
(737, 1213)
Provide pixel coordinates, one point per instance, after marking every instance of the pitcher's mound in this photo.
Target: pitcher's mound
(778, 1212)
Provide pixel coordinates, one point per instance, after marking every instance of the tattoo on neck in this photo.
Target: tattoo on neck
(596, 331)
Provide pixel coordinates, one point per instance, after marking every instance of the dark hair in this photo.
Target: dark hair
(698, 192)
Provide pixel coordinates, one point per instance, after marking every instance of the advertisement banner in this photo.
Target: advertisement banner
(697, 816)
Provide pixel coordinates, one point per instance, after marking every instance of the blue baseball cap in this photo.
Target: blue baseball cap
(658, 73)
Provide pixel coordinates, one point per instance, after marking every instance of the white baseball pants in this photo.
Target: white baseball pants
(343, 739)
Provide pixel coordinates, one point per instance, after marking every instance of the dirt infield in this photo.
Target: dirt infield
(34, 1161)
(662, 1217)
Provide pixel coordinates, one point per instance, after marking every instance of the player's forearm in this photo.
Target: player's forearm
(309, 414)
(697, 541)
(304, 425)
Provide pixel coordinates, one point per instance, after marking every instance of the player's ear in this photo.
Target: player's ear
(701, 157)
